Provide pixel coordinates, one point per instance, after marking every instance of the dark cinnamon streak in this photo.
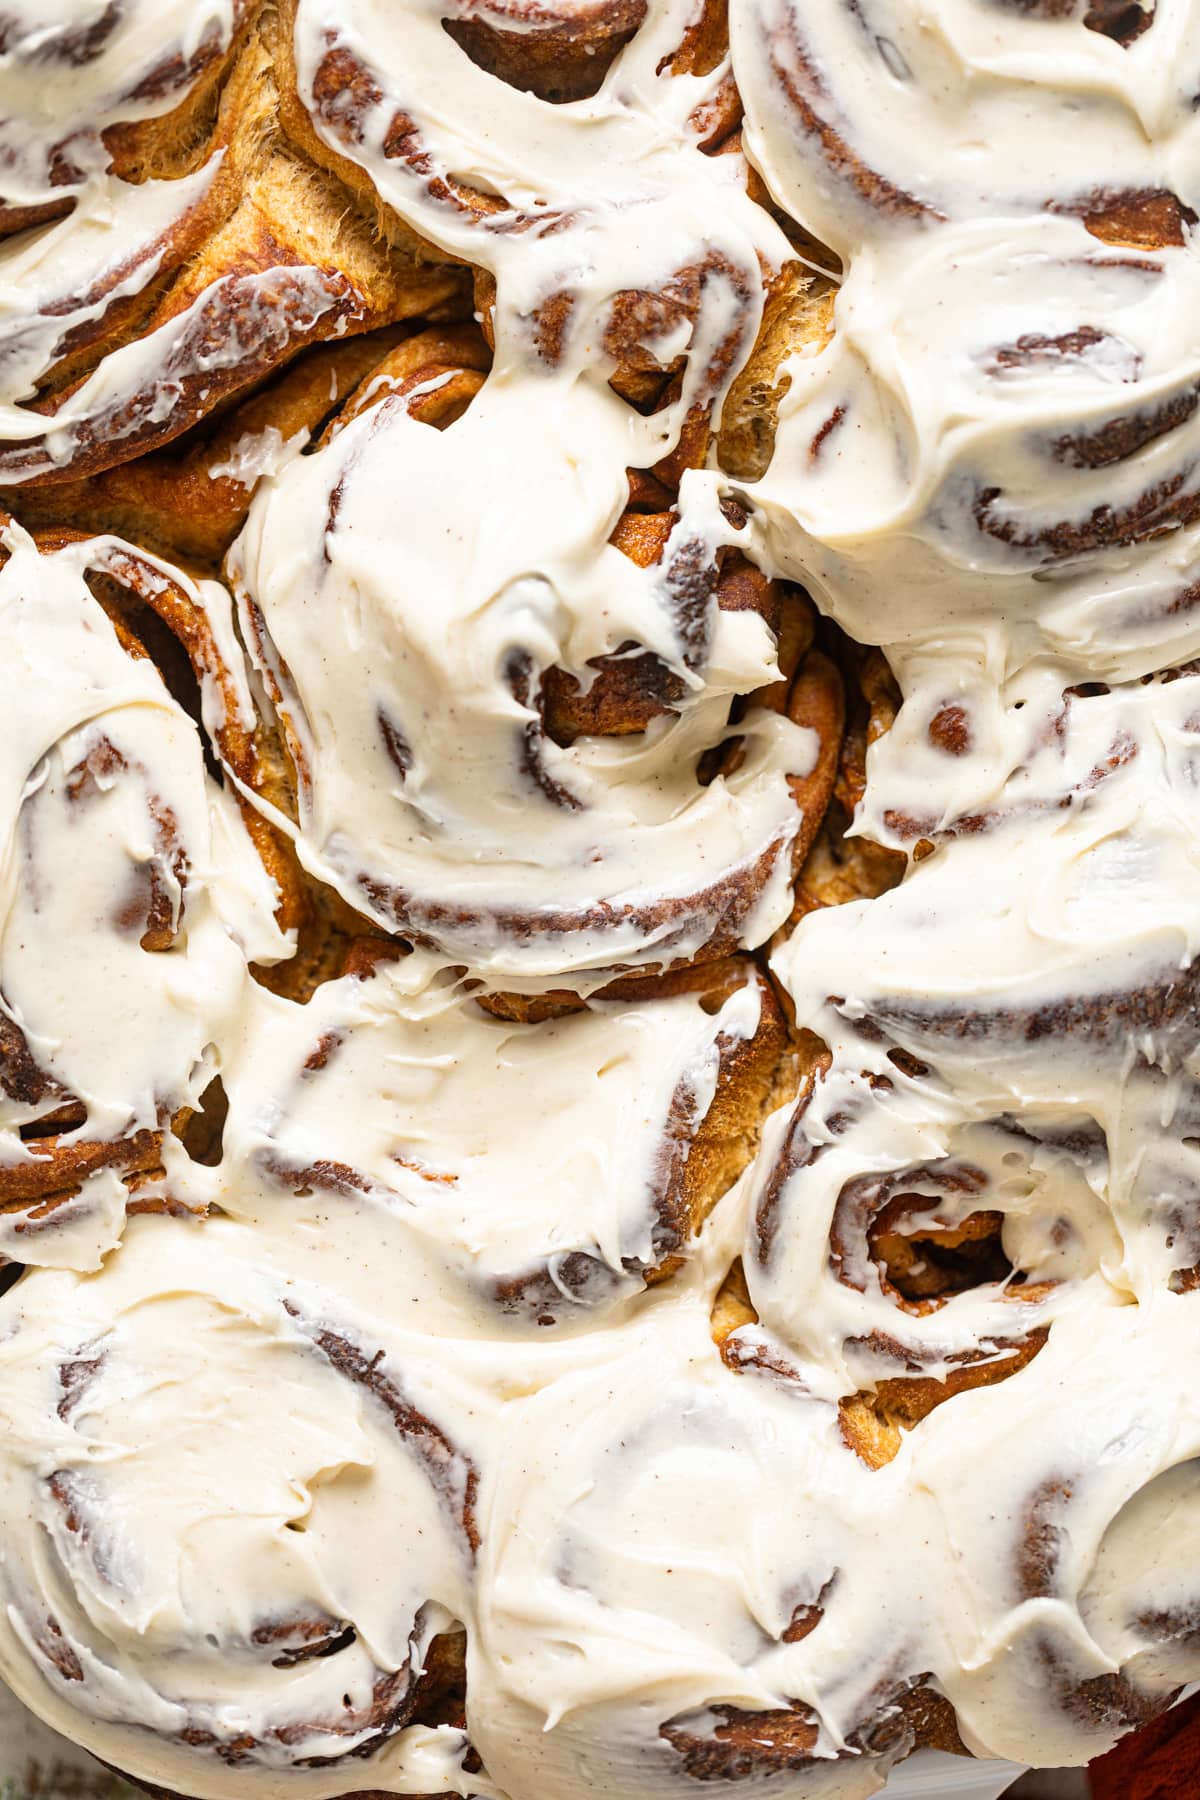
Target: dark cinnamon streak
(451, 1472)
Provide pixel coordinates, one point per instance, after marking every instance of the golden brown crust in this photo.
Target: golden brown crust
(272, 258)
(729, 1744)
(449, 361)
(797, 318)
(189, 501)
(840, 867)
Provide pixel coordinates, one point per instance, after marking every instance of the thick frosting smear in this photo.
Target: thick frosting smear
(434, 793)
(131, 897)
(408, 644)
(984, 1195)
(161, 245)
(619, 1327)
(77, 80)
(155, 1577)
(383, 1116)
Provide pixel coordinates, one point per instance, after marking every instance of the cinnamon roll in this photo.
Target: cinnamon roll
(522, 1173)
(85, 89)
(133, 900)
(1029, 466)
(1003, 420)
(1061, 1632)
(881, 121)
(706, 1554)
(723, 1566)
(189, 500)
(931, 1210)
(670, 280)
(557, 764)
(197, 251)
(598, 1061)
(194, 1409)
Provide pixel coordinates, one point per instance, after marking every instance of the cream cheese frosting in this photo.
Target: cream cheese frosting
(1065, 941)
(377, 1115)
(429, 793)
(71, 69)
(163, 246)
(421, 1373)
(327, 1657)
(131, 897)
(69, 72)
(887, 117)
(570, 206)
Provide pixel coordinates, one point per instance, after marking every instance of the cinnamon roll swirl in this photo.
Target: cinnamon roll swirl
(84, 89)
(728, 1567)
(931, 1211)
(133, 899)
(1031, 466)
(671, 277)
(118, 1512)
(703, 1547)
(700, 1291)
(1040, 1638)
(523, 1174)
(198, 250)
(557, 764)
(882, 121)
(1003, 420)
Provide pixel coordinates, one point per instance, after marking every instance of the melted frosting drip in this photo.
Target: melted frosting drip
(69, 73)
(402, 1382)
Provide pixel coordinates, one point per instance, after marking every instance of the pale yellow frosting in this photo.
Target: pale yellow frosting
(314, 1408)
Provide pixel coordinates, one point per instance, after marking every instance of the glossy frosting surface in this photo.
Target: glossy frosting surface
(414, 1358)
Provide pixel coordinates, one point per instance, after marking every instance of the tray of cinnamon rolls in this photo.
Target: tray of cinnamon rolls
(599, 871)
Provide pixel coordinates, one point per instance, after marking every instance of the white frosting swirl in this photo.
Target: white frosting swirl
(70, 69)
(873, 119)
(408, 638)
(413, 1387)
(130, 897)
(133, 1523)
(522, 1175)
